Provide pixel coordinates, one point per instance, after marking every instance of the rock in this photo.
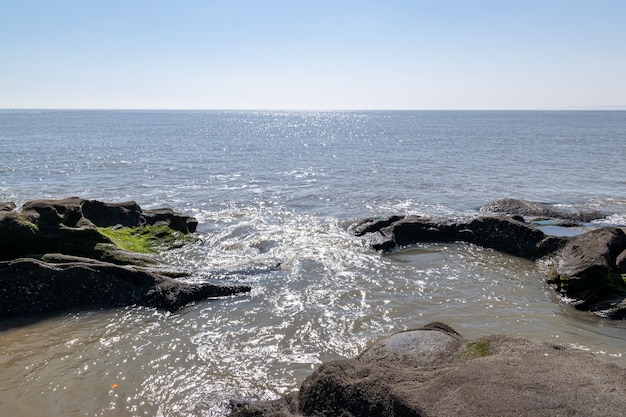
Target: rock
(513, 206)
(620, 262)
(73, 226)
(29, 286)
(567, 223)
(78, 249)
(586, 271)
(504, 234)
(374, 224)
(435, 372)
(7, 206)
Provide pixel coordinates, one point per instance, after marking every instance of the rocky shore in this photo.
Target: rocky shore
(75, 253)
(588, 271)
(435, 372)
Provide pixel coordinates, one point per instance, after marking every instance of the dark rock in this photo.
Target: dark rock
(184, 224)
(586, 271)
(620, 262)
(374, 224)
(567, 223)
(83, 268)
(17, 236)
(412, 229)
(127, 214)
(438, 373)
(29, 286)
(505, 234)
(531, 209)
(70, 226)
(53, 213)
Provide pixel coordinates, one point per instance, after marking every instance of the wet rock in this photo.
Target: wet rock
(620, 262)
(587, 272)
(56, 256)
(505, 234)
(567, 223)
(29, 287)
(525, 208)
(435, 372)
(71, 226)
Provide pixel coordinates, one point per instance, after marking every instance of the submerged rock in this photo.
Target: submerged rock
(435, 372)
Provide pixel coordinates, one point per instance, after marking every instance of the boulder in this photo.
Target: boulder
(505, 234)
(74, 253)
(435, 372)
(587, 270)
(73, 226)
(29, 287)
(525, 208)
(587, 274)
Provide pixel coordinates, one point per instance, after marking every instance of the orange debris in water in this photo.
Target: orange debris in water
(114, 386)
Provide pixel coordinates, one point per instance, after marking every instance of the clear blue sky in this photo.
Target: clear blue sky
(267, 54)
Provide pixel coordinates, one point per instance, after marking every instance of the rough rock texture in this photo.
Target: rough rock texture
(531, 209)
(588, 270)
(29, 286)
(434, 372)
(505, 234)
(70, 226)
(53, 257)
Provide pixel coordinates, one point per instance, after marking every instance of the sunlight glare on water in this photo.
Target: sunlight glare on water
(274, 193)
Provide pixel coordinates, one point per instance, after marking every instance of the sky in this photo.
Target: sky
(313, 55)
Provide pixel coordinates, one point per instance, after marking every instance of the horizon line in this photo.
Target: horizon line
(574, 108)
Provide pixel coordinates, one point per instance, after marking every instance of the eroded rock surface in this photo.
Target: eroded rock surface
(435, 372)
(505, 234)
(587, 272)
(54, 255)
(29, 286)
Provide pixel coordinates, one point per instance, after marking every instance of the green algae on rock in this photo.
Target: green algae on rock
(146, 239)
(76, 253)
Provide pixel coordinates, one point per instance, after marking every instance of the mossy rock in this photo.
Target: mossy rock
(146, 239)
(474, 350)
(17, 235)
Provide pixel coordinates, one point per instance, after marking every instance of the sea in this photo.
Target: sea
(275, 193)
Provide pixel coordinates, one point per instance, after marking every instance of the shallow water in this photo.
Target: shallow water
(275, 193)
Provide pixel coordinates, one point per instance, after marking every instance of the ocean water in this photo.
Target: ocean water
(275, 193)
